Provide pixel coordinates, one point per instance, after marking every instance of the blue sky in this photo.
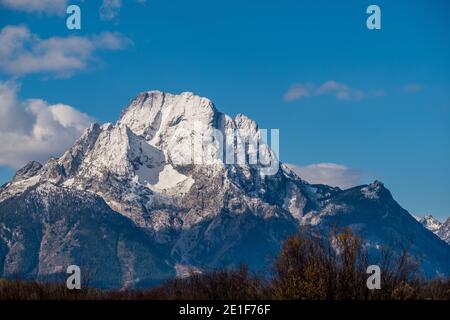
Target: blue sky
(376, 103)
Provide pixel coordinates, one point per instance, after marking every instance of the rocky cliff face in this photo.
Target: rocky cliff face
(444, 231)
(430, 223)
(177, 183)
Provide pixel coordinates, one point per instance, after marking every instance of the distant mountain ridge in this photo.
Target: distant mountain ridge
(442, 230)
(126, 203)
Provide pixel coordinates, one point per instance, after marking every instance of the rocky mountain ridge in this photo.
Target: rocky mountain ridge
(167, 188)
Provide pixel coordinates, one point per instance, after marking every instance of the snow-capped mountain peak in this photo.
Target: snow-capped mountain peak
(444, 231)
(430, 223)
(374, 190)
(155, 115)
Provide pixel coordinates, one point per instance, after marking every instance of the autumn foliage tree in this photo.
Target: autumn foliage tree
(310, 266)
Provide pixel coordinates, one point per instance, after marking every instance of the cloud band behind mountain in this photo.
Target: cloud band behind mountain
(332, 174)
(34, 129)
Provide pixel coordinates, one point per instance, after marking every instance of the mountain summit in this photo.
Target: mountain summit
(173, 185)
(442, 230)
(430, 223)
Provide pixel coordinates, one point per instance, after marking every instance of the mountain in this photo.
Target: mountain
(442, 230)
(430, 223)
(176, 185)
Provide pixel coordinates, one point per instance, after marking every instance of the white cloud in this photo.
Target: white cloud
(50, 7)
(412, 88)
(339, 90)
(297, 91)
(110, 9)
(22, 52)
(34, 129)
(331, 174)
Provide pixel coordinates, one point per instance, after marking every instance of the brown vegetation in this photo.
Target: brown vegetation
(308, 267)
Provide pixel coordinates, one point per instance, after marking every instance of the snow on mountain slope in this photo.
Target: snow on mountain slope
(430, 223)
(444, 231)
(199, 185)
(47, 228)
